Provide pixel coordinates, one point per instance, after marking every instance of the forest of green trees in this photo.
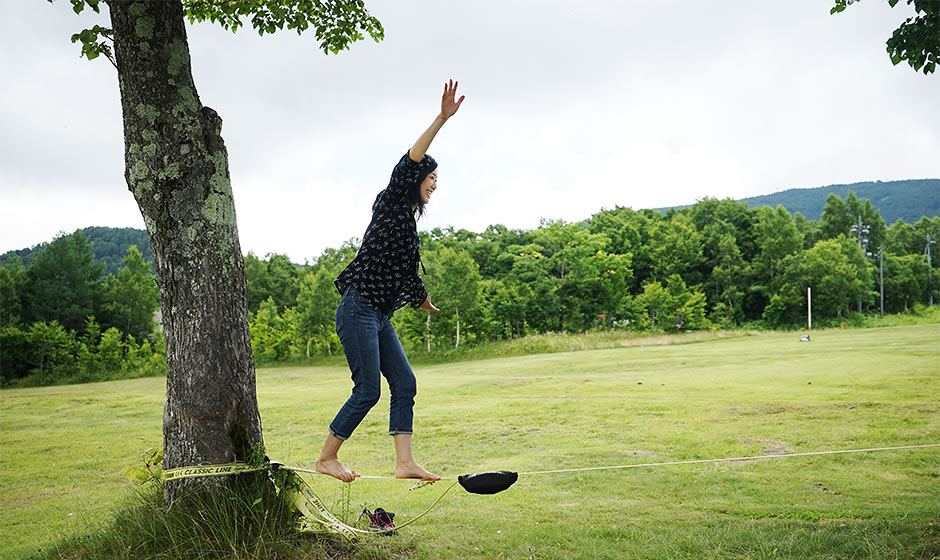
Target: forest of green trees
(63, 320)
(716, 265)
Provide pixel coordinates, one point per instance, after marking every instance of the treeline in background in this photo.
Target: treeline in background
(716, 265)
(63, 320)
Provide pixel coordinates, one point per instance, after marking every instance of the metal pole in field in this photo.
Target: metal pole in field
(861, 232)
(881, 273)
(929, 267)
(809, 307)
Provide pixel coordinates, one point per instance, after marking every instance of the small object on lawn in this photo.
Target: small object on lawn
(804, 338)
(420, 484)
(488, 482)
(380, 520)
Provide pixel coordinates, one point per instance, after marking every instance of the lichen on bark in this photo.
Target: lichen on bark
(144, 27)
(147, 112)
(178, 57)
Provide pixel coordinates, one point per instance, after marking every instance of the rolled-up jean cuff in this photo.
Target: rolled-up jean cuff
(336, 435)
(397, 432)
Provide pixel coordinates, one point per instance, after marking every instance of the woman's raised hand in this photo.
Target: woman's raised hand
(449, 101)
(449, 106)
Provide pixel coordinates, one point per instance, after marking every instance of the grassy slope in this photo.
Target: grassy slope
(62, 448)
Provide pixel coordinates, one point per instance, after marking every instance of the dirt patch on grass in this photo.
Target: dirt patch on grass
(681, 338)
(22, 498)
(637, 452)
(769, 446)
(765, 409)
(822, 488)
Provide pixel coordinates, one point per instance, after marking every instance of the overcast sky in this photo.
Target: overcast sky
(571, 107)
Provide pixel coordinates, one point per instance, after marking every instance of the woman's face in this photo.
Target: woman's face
(428, 186)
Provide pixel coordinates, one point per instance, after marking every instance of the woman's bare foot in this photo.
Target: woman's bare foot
(414, 470)
(328, 463)
(336, 469)
(405, 465)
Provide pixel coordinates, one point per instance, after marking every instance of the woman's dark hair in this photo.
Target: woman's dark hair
(426, 165)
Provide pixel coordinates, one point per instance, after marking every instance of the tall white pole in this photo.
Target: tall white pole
(881, 274)
(809, 307)
(929, 268)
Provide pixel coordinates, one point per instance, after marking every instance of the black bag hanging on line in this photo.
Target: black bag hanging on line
(488, 482)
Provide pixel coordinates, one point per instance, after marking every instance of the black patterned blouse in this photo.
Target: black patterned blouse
(385, 270)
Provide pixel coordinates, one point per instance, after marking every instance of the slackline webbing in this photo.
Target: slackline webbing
(314, 512)
(209, 470)
(666, 463)
(727, 459)
(335, 525)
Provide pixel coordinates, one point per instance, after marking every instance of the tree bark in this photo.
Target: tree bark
(176, 165)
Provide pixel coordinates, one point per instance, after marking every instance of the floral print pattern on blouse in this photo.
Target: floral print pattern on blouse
(385, 270)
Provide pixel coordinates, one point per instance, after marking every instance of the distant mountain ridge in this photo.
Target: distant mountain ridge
(908, 200)
(108, 244)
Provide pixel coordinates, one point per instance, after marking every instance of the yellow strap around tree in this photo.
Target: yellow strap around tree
(209, 470)
(314, 513)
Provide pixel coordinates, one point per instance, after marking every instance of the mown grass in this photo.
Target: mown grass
(551, 342)
(756, 393)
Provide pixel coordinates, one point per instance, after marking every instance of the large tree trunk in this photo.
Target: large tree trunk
(177, 168)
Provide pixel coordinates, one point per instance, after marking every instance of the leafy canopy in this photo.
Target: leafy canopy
(917, 40)
(336, 23)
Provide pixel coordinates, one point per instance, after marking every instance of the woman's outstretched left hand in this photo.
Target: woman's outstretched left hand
(427, 305)
(449, 101)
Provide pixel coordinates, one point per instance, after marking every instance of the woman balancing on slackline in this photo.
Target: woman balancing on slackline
(382, 278)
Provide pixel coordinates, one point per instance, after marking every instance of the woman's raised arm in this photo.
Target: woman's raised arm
(449, 106)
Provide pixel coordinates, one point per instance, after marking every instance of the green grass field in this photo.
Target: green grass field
(62, 449)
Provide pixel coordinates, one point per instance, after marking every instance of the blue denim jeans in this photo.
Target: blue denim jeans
(372, 348)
